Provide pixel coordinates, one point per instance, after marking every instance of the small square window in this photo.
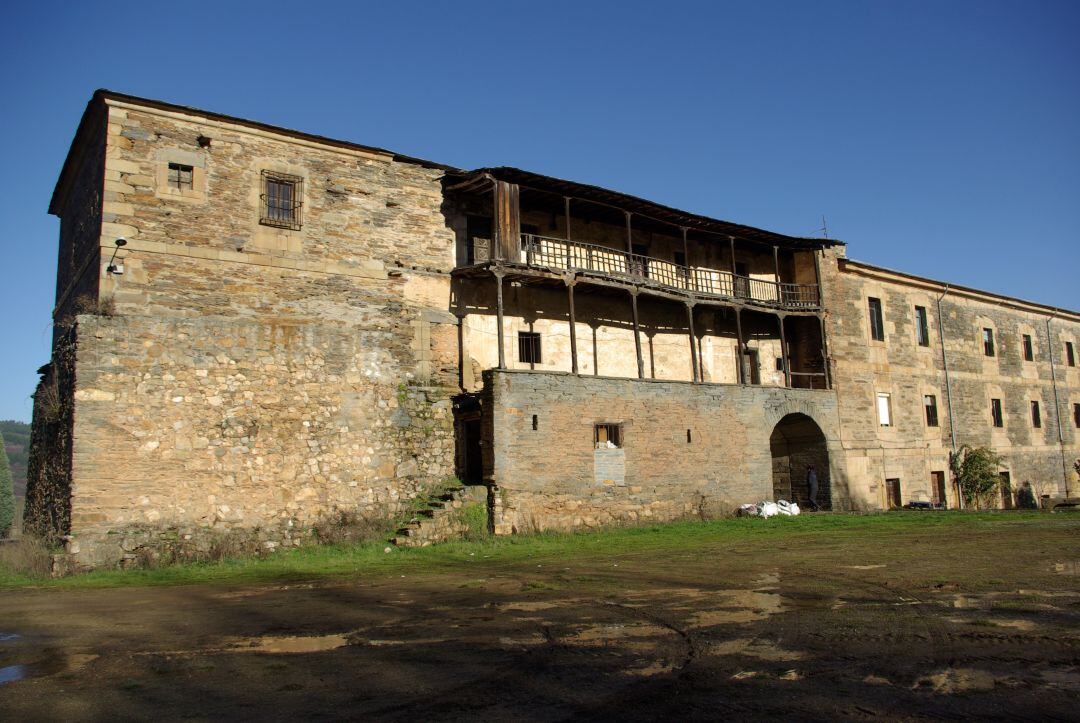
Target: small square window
(1029, 350)
(607, 436)
(922, 328)
(877, 323)
(282, 200)
(1036, 415)
(930, 404)
(995, 413)
(181, 177)
(988, 342)
(529, 347)
(884, 409)
(779, 363)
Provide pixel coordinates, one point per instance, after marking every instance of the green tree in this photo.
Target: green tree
(7, 493)
(976, 472)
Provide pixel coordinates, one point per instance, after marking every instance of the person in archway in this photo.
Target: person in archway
(812, 484)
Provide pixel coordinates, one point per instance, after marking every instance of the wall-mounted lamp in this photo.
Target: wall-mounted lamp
(113, 267)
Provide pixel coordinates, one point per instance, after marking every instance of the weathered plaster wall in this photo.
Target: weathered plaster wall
(658, 474)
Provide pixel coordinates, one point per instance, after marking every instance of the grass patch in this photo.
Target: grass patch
(370, 558)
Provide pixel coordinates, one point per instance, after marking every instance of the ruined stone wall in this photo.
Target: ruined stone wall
(909, 449)
(658, 474)
(253, 380)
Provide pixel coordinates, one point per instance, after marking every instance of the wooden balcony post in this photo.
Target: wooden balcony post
(693, 345)
(499, 315)
(637, 334)
(824, 350)
(573, 327)
(629, 235)
(686, 258)
(776, 266)
(783, 351)
(566, 210)
(739, 347)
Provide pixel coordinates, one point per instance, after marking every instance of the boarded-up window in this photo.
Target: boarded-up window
(884, 410)
(877, 323)
(607, 436)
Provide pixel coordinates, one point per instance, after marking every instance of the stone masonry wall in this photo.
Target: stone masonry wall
(251, 380)
(552, 477)
(909, 449)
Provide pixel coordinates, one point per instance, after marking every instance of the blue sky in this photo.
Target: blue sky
(940, 138)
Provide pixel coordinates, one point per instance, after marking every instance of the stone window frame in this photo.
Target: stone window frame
(997, 413)
(165, 190)
(880, 319)
(1036, 414)
(1027, 346)
(935, 423)
(1070, 353)
(889, 417)
(986, 341)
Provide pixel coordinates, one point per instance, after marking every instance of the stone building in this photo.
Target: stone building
(296, 328)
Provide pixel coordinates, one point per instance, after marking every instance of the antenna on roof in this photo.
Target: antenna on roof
(824, 227)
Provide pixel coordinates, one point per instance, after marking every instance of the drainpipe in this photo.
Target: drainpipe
(948, 384)
(1057, 407)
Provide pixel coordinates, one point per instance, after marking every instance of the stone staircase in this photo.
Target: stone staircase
(440, 519)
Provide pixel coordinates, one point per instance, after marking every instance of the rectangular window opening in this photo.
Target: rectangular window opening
(877, 322)
(922, 328)
(536, 423)
(1036, 415)
(884, 409)
(1076, 415)
(988, 342)
(995, 413)
(689, 439)
(281, 200)
(1070, 355)
(181, 176)
(937, 484)
(1029, 350)
(529, 347)
(930, 403)
(607, 436)
(892, 489)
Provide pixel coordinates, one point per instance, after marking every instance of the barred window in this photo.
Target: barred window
(529, 347)
(607, 436)
(282, 200)
(181, 176)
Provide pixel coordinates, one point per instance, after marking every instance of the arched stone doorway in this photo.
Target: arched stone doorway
(797, 441)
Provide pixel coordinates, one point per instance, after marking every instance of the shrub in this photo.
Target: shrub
(976, 471)
(7, 493)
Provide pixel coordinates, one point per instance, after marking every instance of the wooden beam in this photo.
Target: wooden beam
(629, 234)
(693, 345)
(637, 335)
(824, 351)
(499, 315)
(739, 347)
(573, 328)
(783, 352)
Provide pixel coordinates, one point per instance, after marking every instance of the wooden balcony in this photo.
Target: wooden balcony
(544, 253)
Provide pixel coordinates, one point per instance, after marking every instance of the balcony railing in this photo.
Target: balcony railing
(560, 254)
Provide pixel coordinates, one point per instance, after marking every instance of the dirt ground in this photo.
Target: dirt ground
(972, 620)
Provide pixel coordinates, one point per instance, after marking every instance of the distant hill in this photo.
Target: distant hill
(17, 444)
